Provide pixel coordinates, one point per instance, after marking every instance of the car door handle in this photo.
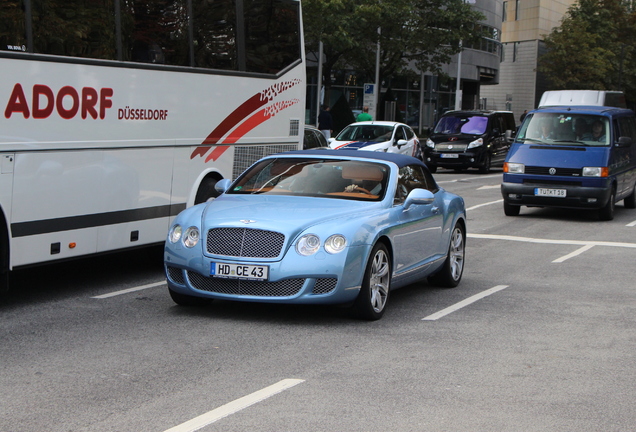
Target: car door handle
(435, 210)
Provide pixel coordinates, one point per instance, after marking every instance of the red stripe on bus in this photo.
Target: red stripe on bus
(235, 117)
(217, 152)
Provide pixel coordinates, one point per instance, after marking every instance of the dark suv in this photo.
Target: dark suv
(470, 139)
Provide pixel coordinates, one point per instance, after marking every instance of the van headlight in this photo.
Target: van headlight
(595, 172)
(477, 143)
(430, 143)
(514, 168)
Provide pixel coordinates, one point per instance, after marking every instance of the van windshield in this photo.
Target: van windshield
(451, 124)
(559, 128)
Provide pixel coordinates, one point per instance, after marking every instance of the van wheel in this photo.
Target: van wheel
(511, 210)
(630, 201)
(607, 212)
(485, 169)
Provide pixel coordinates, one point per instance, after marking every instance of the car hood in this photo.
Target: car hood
(358, 145)
(286, 214)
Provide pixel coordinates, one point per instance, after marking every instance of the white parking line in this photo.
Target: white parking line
(497, 186)
(235, 406)
(461, 304)
(129, 290)
(631, 224)
(573, 254)
(484, 204)
(469, 178)
(552, 241)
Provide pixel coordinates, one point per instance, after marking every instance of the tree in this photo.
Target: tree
(420, 33)
(593, 48)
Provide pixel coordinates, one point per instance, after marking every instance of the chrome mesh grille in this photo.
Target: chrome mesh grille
(244, 242)
(284, 288)
(325, 285)
(176, 275)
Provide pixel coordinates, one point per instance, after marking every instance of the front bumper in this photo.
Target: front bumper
(587, 197)
(466, 159)
(318, 279)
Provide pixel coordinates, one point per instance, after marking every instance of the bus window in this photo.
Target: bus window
(156, 31)
(215, 34)
(74, 28)
(271, 35)
(12, 29)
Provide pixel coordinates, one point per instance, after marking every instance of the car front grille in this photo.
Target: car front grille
(283, 288)
(244, 242)
(176, 275)
(451, 147)
(325, 285)
(574, 172)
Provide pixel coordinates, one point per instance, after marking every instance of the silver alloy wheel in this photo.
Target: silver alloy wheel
(379, 281)
(457, 253)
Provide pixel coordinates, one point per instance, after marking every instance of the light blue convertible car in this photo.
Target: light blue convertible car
(319, 227)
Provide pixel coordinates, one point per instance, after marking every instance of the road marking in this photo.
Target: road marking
(469, 178)
(463, 303)
(484, 204)
(551, 241)
(489, 187)
(631, 224)
(235, 406)
(129, 290)
(573, 254)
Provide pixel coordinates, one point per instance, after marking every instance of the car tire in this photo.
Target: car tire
(376, 286)
(630, 200)
(606, 213)
(453, 268)
(186, 300)
(485, 168)
(511, 210)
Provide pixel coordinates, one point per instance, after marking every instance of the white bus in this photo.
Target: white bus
(118, 114)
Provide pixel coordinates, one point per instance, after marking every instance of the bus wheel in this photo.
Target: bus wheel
(206, 190)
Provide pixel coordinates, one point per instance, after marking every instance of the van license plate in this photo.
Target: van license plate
(239, 271)
(558, 193)
(449, 155)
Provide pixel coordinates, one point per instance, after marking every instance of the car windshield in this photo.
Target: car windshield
(559, 128)
(315, 177)
(366, 133)
(451, 124)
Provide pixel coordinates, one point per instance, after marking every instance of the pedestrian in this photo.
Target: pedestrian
(523, 115)
(325, 121)
(364, 115)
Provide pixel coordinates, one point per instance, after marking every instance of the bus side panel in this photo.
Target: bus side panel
(137, 187)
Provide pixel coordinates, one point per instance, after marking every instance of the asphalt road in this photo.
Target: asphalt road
(539, 336)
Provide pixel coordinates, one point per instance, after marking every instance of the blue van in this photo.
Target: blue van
(572, 157)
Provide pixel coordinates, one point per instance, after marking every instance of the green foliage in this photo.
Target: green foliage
(593, 48)
(420, 33)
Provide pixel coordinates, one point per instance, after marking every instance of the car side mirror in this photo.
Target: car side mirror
(222, 185)
(401, 142)
(624, 141)
(419, 197)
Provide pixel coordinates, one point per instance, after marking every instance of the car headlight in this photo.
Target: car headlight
(478, 142)
(191, 237)
(335, 244)
(175, 233)
(430, 143)
(308, 244)
(514, 168)
(595, 171)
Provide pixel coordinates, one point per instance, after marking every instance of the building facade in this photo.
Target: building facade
(524, 25)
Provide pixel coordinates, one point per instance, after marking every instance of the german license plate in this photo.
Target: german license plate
(449, 155)
(239, 271)
(558, 193)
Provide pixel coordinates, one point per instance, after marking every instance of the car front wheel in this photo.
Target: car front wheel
(453, 268)
(374, 294)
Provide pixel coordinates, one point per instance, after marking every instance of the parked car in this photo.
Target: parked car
(385, 136)
(319, 227)
(574, 157)
(313, 138)
(470, 139)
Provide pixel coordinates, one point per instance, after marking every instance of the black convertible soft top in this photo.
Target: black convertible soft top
(399, 159)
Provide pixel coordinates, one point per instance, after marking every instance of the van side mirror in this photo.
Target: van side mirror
(624, 141)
